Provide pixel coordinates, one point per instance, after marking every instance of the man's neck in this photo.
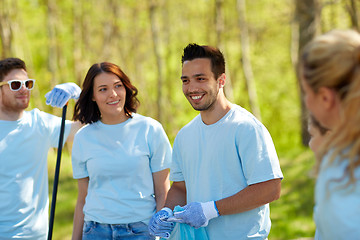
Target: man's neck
(218, 111)
(10, 116)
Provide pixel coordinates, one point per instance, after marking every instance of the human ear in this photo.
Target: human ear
(328, 97)
(222, 80)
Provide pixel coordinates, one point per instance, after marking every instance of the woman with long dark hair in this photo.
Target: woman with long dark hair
(120, 158)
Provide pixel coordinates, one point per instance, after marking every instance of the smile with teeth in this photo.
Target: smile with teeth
(114, 102)
(196, 97)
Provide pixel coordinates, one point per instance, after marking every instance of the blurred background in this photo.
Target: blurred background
(261, 40)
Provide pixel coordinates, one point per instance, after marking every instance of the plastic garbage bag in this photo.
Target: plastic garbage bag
(183, 231)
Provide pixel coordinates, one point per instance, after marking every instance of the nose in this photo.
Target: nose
(23, 88)
(113, 93)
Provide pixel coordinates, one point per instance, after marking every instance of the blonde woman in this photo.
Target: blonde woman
(330, 77)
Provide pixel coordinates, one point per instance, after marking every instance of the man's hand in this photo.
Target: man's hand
(159, 226)
(61, 94)
(196, 214)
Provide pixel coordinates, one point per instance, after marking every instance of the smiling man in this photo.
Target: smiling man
(25, 139)
(225, 169)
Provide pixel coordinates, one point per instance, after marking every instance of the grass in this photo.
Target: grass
(66, 196)
(291, 215)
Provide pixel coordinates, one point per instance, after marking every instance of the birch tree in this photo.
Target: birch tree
(6, 31)
(246, 62)
(153, 6)
(220, 27)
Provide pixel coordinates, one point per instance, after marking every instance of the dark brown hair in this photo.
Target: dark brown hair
(193, 51)
(8, 64)
(86, 110)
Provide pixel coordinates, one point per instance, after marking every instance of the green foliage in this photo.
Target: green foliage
(291, 215)
(60, 40)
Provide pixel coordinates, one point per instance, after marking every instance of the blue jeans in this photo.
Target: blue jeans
(134, 231)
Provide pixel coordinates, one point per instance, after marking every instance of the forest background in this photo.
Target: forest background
(261, 40)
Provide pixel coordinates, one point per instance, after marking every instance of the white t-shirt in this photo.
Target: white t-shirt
(24, 145)
(337, 206)
(218, 160)
(119, 161)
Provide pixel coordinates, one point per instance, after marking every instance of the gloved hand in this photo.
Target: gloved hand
(61, 94)
(159, 226)
(196, 214)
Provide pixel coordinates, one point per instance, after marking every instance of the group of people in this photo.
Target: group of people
(223, 164)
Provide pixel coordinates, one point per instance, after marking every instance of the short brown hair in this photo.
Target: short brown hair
(8, 64)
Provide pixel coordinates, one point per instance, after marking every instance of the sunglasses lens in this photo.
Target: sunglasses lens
(29, 84)
(15, 85)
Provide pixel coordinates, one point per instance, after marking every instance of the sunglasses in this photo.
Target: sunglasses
(16, 85)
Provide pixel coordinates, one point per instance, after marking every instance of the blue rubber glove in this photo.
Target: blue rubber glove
(196, 214)
(159, 226)
(61, 94)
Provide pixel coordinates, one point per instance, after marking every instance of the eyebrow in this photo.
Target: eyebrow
(104, 85)
(195, 75)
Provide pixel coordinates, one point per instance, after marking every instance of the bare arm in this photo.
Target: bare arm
(83, 184)
(250, 197)
(176, 195)
(75, 126)
(161, 187)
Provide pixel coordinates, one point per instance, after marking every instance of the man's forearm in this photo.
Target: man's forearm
(250, 197)
(176, 195)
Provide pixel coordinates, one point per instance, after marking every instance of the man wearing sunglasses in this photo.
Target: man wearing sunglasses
(25, 139)
(15, 85)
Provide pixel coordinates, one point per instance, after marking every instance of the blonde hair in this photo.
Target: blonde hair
(332, 60)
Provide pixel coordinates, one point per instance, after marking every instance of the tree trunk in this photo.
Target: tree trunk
(77, 41)
(306, 14)
(168, 119)
(6, 34)
(53, 56)
(219, 23)
(246, 62)
(153, 5)
(352, 8)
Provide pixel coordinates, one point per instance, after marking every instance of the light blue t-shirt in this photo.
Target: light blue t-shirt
(119, 161)
(337, 206)
(24, 145)
(216, 161)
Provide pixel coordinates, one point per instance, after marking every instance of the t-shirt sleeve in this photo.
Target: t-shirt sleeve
(160, 148)
(53, 125)
(78, 158)
(176, 171)
(257, 153)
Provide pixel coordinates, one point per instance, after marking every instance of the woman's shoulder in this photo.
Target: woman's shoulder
(146, 120)
(86, 130)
